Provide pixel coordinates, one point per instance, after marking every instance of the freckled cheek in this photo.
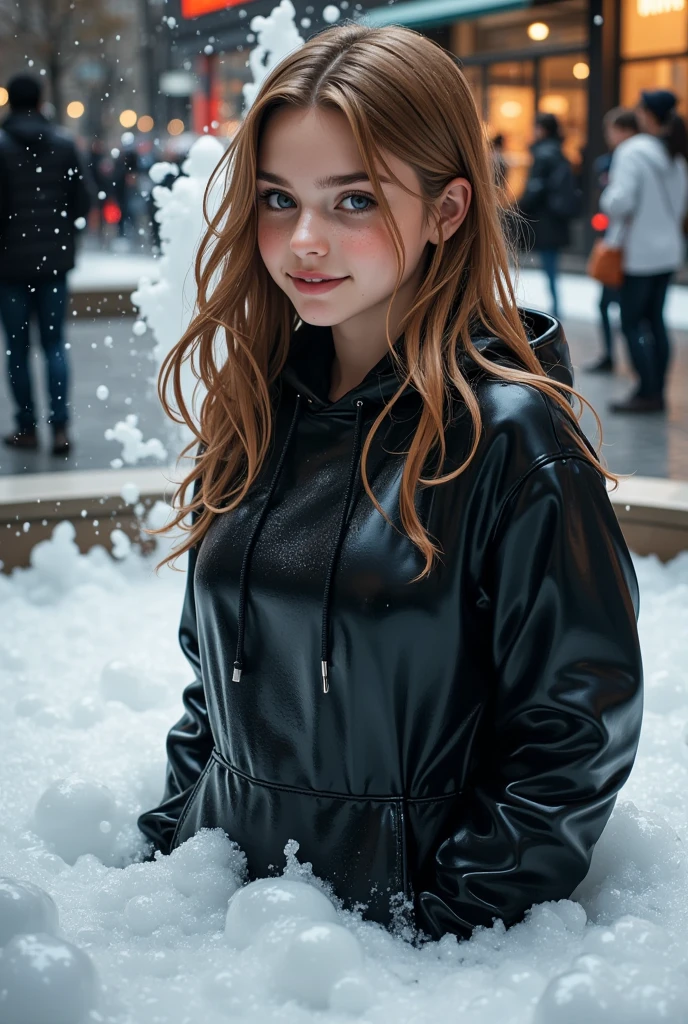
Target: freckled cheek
(367, 249)
(273, 243)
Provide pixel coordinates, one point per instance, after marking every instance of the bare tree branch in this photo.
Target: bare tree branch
(59, 33)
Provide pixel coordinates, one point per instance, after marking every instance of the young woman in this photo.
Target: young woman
(410, 611)
(647, 200)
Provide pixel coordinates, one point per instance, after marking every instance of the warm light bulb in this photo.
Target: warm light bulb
(145, 123)
(511, 109)
(75, 108)
(175, 126)
(555, 104)
(538, 31)
(581, 70)
(3, 96)
(128, 118)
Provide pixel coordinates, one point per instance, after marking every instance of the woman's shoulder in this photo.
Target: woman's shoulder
(522, 428)
(526, 440)
(530, 420)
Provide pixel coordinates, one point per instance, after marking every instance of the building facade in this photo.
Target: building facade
(573, 58)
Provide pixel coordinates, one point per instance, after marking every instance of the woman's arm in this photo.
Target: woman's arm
(189, 741)
(621, 196)
(563, 723)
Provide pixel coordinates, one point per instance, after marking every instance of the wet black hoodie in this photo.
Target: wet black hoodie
(460, 739)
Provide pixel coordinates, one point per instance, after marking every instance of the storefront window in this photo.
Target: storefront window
(474, 76)
(670, 73)
(232, 73)
(511, 113)
(653, 27)
(564, 25)
(564, 92)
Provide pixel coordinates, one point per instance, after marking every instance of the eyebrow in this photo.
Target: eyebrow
(333, 181)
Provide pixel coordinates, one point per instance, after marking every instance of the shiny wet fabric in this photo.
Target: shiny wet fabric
(459, 740)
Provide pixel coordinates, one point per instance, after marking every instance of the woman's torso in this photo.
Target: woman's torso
(652, 237)
(366, 776)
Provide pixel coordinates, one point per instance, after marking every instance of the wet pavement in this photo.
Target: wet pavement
(647, 445)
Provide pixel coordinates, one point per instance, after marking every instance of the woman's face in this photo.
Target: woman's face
(318, 218)
(647, 122)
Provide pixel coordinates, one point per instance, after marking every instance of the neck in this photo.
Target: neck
(361, 342)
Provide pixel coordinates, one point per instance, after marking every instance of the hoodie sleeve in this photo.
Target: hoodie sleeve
(563, 720)
(189, 741)
(621, 196)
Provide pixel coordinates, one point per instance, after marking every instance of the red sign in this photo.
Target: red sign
(192, 8)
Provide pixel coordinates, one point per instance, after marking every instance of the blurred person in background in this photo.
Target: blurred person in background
(619, 124)
(646, 201)
(42, 194)
(125, 176)
(551, 199)
(501, 168)
(99, 169)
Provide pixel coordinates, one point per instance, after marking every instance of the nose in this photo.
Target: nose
(309, 237)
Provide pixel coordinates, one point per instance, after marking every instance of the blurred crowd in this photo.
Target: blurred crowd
(642, 219)
(123, 208)
(52, 186)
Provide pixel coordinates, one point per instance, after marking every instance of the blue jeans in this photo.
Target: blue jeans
(642, 303)
(47, 299)
(549, 258)
(608, 296)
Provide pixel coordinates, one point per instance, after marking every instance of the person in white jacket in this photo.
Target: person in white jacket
(646, 201)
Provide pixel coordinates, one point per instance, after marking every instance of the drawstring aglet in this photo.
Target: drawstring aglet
(326, 685)
(236, 678)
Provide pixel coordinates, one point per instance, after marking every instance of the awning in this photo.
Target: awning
(436, 12)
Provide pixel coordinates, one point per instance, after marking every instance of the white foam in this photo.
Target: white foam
(45, 980)
(156, 931)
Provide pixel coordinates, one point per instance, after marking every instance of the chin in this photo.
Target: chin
(319, 318)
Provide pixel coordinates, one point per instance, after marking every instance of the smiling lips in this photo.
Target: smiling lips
(315, 284)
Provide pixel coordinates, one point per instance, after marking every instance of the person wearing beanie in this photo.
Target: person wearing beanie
(646, 201)
(42, 195)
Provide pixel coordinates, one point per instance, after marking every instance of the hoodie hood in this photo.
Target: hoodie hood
(308, 365)
(27, 127)
(649, 148)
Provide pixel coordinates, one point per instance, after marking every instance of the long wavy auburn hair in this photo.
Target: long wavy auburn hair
(401, 94)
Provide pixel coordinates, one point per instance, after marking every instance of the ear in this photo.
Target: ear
(451, 207)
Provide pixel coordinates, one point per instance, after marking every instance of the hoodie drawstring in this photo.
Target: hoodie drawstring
(238, 660)
(355, 454)
(355, 451)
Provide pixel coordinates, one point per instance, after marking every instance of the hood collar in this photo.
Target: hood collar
(27, 126)
(308, 366)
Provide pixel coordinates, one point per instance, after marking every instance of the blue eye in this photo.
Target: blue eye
(361, 203)
(356, 198)
(265, 197)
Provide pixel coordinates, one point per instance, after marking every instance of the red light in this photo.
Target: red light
(111, 212)
(192, 8)
(600, 222)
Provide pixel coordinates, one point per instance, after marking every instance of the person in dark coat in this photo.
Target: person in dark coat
(549, 199)
(444, 733)
(42, 194)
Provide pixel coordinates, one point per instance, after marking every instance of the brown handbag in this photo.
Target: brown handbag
(605, 264)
